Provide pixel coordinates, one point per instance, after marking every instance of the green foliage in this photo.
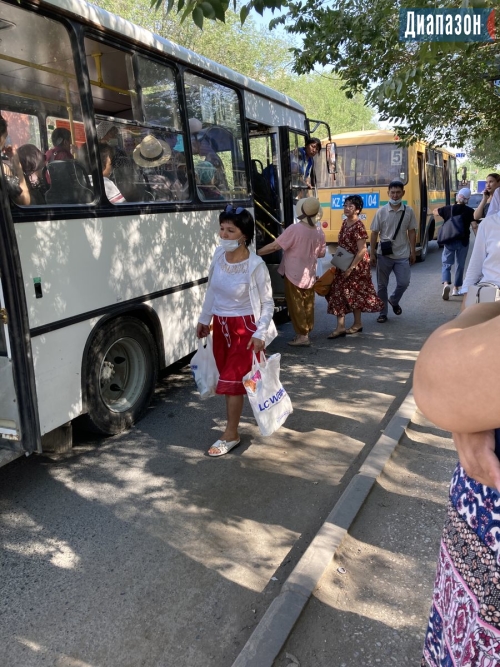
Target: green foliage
(485, 153)
(438, 91)
(254, 52)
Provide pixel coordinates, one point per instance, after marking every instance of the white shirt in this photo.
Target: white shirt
(484, 263)
(494, 203)
(231, 286)
(260, 292)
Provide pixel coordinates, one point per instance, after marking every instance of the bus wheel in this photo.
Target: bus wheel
(424, 248)
(122, 369)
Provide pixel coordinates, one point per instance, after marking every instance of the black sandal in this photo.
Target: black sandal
(382, 318)
(397, 310)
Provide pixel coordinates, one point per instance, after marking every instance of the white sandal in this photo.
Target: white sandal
(224, 446)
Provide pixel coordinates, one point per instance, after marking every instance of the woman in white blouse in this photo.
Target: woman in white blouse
(239, 298)
(484, 265)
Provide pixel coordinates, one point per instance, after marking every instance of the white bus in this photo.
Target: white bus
(98, 294)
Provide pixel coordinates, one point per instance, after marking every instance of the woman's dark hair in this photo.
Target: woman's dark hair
(495, 176)
(3, 126)
(32, 159)
(240, 218)
(313, 140)
(105, 151)
(59, 136)
(356, 201)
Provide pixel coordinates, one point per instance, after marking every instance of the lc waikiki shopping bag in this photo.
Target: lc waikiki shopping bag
(204, 368)
(270, 403)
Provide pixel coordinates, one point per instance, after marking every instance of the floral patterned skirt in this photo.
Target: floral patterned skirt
(464, 623)
(355, 292)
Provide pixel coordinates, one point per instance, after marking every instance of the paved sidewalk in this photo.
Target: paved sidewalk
(371, 605)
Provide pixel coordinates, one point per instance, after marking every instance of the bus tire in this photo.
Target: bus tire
(424, 248)
(122, 369)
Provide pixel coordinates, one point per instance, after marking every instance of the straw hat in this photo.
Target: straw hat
(152, 152)
(309, 207)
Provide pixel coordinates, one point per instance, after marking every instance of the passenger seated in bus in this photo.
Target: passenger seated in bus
(205, 175)
(206, 147)
(33, 163)
(180, 186)
(112, 193)
(151, 154)
(14, 180)
(124, 173)
(61, 141)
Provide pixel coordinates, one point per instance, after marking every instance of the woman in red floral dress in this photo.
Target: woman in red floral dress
(352, 290)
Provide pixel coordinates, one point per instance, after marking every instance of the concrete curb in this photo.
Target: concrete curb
(271, 633)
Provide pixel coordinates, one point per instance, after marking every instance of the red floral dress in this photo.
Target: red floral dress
(357, 290)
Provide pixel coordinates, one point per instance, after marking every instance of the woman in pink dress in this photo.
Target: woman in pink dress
(352, 290)
(302, 244)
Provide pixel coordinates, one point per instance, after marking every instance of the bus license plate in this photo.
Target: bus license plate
(370, 200)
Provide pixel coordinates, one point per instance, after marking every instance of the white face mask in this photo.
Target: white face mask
(394, 202)
(230, 245)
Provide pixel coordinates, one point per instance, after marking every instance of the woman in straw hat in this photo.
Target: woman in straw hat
(151, 154)
(352, 290)
(302, 243)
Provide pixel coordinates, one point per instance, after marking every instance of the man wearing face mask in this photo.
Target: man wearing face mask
(396, 225)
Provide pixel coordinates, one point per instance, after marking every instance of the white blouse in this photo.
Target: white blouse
(231, 288)
(484, 263)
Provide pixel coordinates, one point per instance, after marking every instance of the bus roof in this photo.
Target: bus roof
(111, 22)
(366, 136)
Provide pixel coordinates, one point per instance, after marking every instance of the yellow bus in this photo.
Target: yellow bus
(366, 162)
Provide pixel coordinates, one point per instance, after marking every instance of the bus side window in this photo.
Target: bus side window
(50, 90)
(161, 153)
(215, 135)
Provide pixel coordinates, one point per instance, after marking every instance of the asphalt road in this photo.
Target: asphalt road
(140, 551)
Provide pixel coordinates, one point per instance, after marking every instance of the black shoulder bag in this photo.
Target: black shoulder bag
(386, 246)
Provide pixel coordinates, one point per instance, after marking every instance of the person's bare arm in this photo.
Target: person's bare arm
(479, 211)
(269, 248)
(361, 243)
(458, 371)
(455, 385)
(373, 248)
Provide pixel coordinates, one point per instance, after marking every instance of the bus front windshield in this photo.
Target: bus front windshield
(365, 166)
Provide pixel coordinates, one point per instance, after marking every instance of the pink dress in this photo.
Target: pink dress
(357, 290)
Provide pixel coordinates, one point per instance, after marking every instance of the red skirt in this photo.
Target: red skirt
(231, 337)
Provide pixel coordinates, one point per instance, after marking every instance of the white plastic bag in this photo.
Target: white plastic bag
(204, 368)
(270, 403)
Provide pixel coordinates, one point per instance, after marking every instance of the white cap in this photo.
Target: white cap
(195, 126)
(464, 193)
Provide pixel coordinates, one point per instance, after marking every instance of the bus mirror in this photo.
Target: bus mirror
(331, 157)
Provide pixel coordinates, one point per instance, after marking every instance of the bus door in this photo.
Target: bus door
(446, 176)
(267, 176)
(19, 427)
(422, 186)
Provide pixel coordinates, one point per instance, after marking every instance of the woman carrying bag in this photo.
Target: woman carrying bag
(239, 299)
(302, 244)
(456, 246)
(352, 290)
